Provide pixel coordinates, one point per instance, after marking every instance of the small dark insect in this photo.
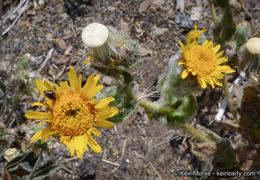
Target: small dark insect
(49, 94)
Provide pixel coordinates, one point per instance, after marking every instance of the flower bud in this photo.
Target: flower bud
(249, 56)
(110, 47)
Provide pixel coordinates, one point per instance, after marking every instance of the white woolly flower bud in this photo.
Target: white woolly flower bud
(109, 46)
(249, 56)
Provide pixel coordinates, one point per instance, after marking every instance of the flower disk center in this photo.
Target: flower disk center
(200, 59)
(72, 115)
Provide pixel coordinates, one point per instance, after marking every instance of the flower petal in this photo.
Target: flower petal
(93, 144)
(225, 69)
(65, 86)
(69, 142)
(40, 86)
(36, 115)
(202, 82)
(48, 86)
(43, 134)
(72, 76)
(38, 104)
(221, 60)
(90, 89)
(109, 112)
(80, 144)
(184, 73)
(103, 102)
(104, 124)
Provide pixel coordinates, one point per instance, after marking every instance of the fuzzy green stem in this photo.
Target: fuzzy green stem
(194, 132)
(155, 107)
(229, 98)
(202, 135)
(213, 12)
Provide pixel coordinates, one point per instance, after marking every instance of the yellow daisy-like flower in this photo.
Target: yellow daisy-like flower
(194, 35)
(73, 113)
(203, 62)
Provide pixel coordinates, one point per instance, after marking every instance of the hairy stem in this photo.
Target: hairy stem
(229, 98)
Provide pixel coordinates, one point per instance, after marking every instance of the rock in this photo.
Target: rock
(196, 13)
(145, 52)
(124, 26)
(107, 81)
(159, 31)
(183, 21)
(87, 170)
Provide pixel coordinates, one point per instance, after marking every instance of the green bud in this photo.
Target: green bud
(173, 86)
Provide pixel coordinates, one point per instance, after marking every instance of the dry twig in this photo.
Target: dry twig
(47, 58)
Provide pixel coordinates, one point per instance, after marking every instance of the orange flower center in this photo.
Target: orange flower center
(72, 115)
(200, 60)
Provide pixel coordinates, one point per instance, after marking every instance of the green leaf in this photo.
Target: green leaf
(183, 112)
(46, 169)
(226, 28)
(22, 164)
(3, 87)
(124, 102)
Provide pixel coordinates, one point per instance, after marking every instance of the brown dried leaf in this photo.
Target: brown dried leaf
(61, 43)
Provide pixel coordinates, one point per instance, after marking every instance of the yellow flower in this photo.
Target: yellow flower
(73, 113)
(203, 63)
(194, 35)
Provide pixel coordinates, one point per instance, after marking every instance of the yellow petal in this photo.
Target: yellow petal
(40, 123)
(36, 115)
(202, 82)
(80, 144)
(43, 134)
(48, 86)
(180, 63)
(40, 86)
(225, 69)
(184, 73)
(181, 44)
(216, 49)
(103, 102)
(38, 104)
(72, 76)
(218, 55)
(96, 78)
(78, 84)
(93, 144)
(221, 60)
(69, 142)
(218, 83)
(90, 89)
(65, 86)
(58, 89)
(105, 114)
(104, 124)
